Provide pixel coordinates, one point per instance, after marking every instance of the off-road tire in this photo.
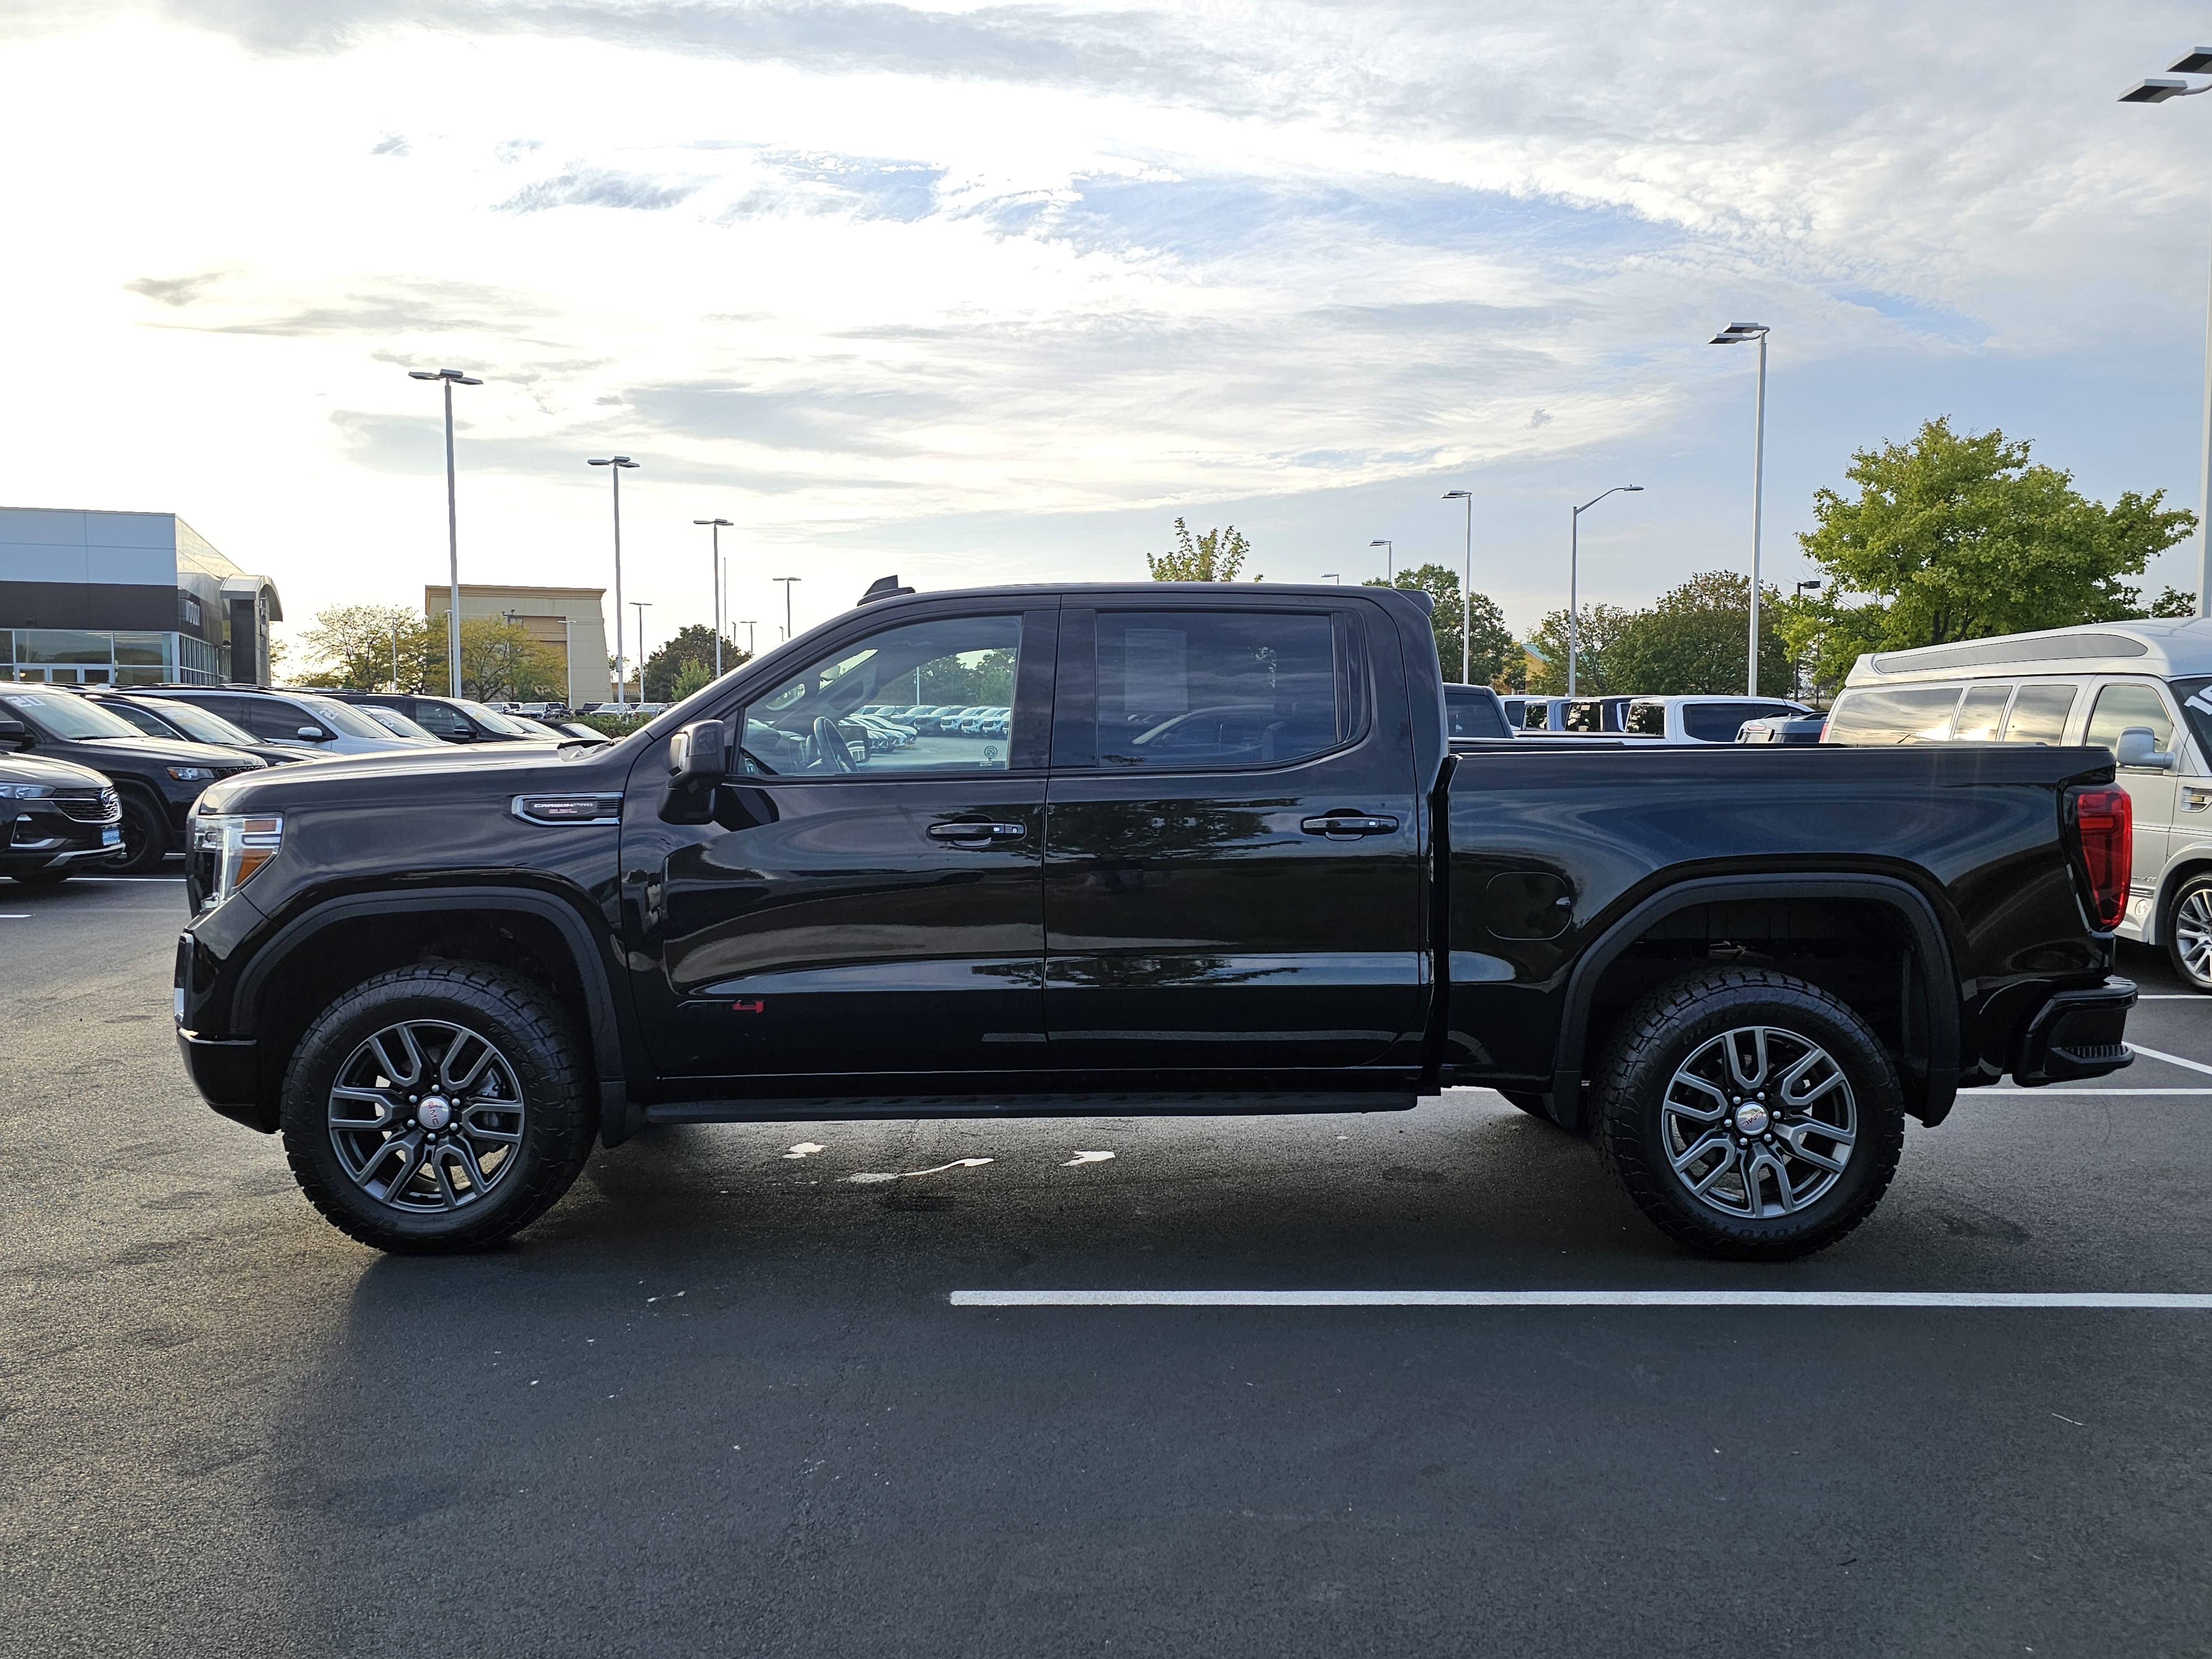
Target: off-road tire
(528, 1026)
(145, 836)
(1661, 1034)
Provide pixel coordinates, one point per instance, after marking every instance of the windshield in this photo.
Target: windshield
(65, 716)
(395, 722)
(492, 720)
(341, 717)
(199, 724)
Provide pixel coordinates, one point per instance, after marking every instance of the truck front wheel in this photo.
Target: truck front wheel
(1749, 1114)
(438, 1108)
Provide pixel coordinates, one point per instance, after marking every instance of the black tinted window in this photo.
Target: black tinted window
(443, 720)
(1474, 714)
(1647, 719)
(1224, 688)
(275, 721)
(1719, 722)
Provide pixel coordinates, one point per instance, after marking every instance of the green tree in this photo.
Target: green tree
(500, 662)
(1692, 641)
(1497, 658)
(351, 646)
(1960, 536)
(1598, 630)
(1216, 556)
(691, 647)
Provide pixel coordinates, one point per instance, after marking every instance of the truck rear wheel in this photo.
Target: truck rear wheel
(1749, 1114)
(438, 1108)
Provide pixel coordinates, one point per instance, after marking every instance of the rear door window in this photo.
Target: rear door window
(1225, 688)
(2119, 707)
(1905, 714)
(2039, 714)
(1981, 714)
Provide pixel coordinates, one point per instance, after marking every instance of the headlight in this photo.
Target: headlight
(191, 774)
(228, 847)
(28, 791)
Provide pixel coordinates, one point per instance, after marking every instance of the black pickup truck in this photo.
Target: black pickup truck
(1225, 859)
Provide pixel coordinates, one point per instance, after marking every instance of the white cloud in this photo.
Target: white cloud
(993, 290)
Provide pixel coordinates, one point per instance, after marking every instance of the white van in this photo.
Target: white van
(2079, 685)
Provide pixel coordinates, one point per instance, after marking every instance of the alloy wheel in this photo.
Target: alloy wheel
(2192, 934)
(1759, 1121)
(427, 1116)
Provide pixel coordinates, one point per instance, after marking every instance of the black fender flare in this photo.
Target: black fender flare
(1902, 897)
(617, 1118)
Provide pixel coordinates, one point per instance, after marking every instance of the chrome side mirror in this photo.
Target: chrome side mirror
(2138, 747)
(699, 754)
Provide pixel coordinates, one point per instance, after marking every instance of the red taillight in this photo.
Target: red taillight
(2104, 822)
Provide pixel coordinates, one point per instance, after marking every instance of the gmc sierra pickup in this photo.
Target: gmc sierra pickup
(1225, 858)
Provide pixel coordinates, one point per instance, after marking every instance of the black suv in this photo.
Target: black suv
(188, 722)
(157, 780)
(55, 819)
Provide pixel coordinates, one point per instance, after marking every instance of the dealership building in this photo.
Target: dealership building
(565, 621)
(126, 598)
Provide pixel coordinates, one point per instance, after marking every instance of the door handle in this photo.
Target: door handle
(975, 830)
(1349, 824)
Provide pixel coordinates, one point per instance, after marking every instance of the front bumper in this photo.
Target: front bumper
(2076, 1034)
(227, 1072)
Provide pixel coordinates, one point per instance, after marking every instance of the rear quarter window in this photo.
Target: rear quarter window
(1904, 713)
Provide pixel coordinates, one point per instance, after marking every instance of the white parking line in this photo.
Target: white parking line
(1969, 1094)
(2172, 1060)
(22, 916)
(2170, 996)
(2153, 1300)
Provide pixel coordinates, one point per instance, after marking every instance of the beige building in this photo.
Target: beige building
(567, 621)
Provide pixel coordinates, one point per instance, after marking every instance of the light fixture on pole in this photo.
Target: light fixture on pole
(2157, 90)
(1389, 558)
(714, 571)
(1574, 568)
(1813, 586)
(1332, 576)
(787, 581)
(1736, 334)
(615, 466)
(450, 378)
(1467, 591)
(641, 606)
(746, 622)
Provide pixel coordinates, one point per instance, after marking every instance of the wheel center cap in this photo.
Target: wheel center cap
(1751, 1118)
(435, 1113)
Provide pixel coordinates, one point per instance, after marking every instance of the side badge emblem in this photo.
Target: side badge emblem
(757, 1005)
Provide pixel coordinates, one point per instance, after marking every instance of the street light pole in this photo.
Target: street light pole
(787, 581)
(448, 379)
(2157, 90)
(395, 656)
(1332, 576)
(641, 606)
(1574, 568)
(715, 572)
(1390, 559)
(1736, 334)
(615, 466)
(746, 622)
(1466, 590)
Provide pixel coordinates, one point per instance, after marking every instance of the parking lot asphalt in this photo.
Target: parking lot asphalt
(719, 1402)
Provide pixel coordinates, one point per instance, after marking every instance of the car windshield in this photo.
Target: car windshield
(492, 720)
(395, 722)
(341, 718)
(59, 714)
(200, 725)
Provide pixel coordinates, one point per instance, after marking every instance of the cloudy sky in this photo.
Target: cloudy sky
(994, 293)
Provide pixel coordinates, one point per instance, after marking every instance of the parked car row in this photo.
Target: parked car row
(946, 719)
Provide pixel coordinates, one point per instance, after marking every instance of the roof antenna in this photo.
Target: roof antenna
(883, 587)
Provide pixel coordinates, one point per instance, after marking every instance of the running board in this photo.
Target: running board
(817, 1107)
